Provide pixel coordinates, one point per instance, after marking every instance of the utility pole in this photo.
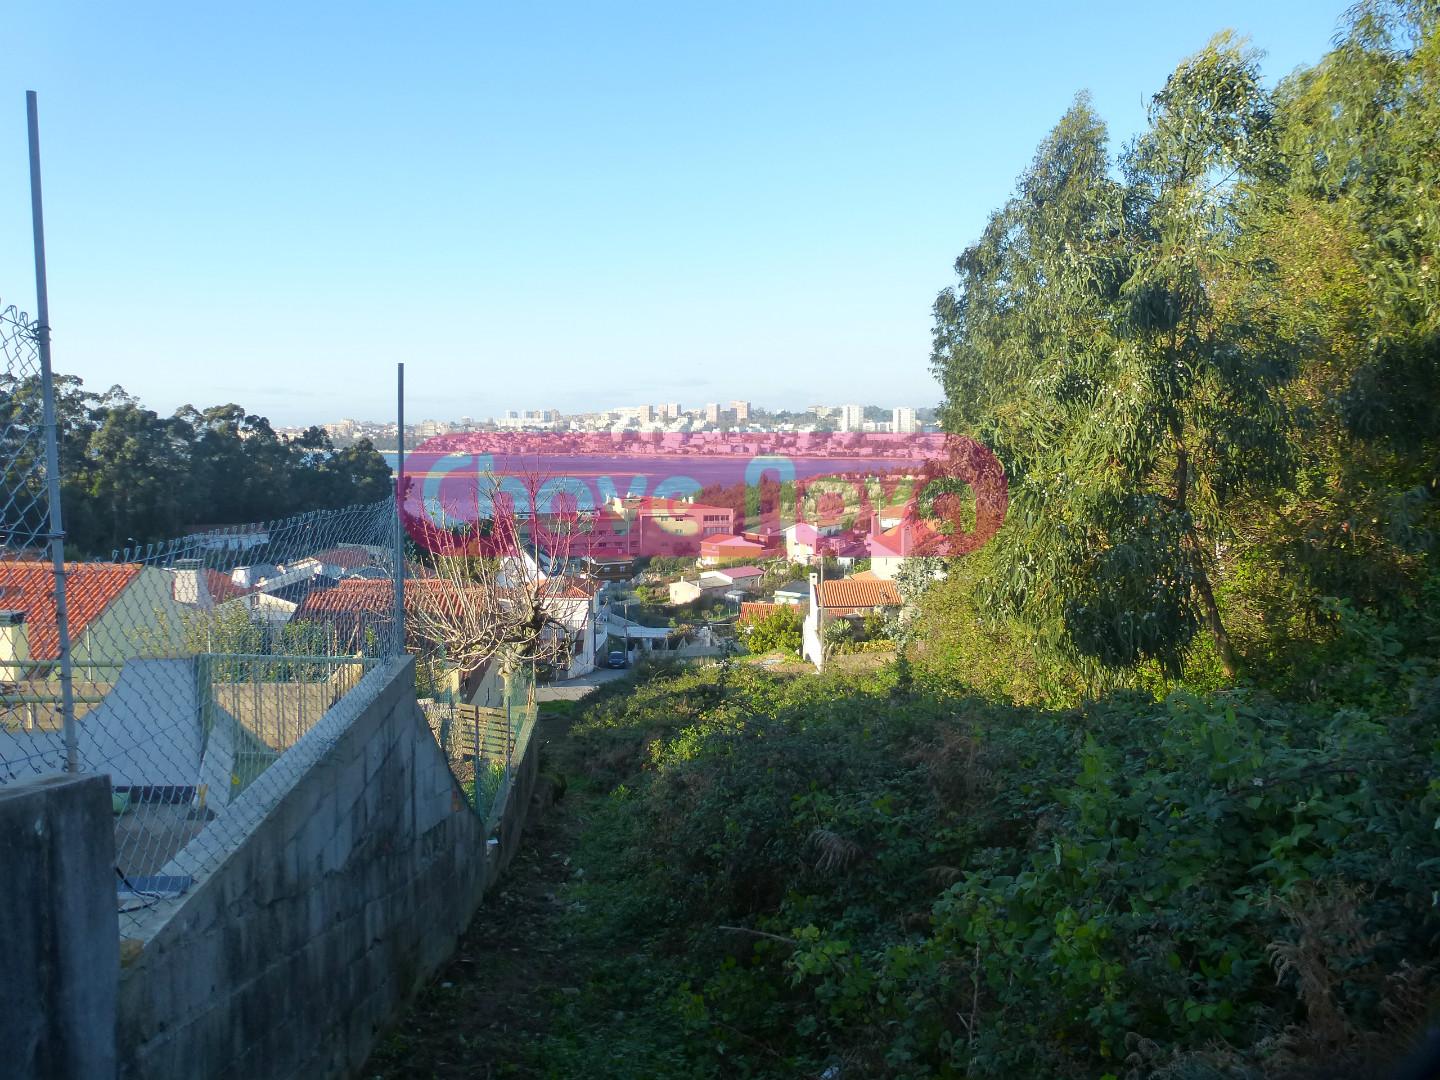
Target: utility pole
(52, 440)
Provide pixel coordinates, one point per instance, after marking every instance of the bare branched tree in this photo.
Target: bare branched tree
(491, 579)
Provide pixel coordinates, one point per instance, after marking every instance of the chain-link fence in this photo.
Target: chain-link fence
(30, 521)
(25, 513)
(483, 722)
(196, 664)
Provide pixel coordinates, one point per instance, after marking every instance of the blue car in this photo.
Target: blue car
(617, 659)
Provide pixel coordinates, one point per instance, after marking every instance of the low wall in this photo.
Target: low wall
(57, 934)
(289, 956)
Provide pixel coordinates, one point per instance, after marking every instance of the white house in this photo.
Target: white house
(576, 606)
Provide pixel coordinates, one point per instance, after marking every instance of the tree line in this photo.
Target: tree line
(131, 477)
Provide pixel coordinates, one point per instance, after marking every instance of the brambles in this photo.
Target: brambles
(817, 870)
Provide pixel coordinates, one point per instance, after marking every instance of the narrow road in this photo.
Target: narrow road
(575, 689)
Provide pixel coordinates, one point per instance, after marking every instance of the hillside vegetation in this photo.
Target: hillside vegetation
(779, 875)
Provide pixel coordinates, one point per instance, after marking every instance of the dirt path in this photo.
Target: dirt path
(494, 997)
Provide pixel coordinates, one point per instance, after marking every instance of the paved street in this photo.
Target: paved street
(574, 689)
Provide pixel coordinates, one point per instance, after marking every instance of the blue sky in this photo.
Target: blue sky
(562, 205)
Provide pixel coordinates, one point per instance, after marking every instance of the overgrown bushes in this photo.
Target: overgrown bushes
(905, 882)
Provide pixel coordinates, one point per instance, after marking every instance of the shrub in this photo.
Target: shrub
(884, 872)
(776, 631)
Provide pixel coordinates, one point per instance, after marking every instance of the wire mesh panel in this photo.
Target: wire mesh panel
(484, 739)
(197, 665)
(29, 540)
(24, 515)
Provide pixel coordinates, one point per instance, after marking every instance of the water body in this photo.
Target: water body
(667, 475)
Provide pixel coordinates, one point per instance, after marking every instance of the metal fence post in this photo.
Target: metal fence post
(398, 644)
(52, 442)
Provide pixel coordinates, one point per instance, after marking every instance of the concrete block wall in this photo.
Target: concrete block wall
(59, 953)
(290, 956)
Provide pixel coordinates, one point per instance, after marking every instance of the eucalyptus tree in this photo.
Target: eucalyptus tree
(1353, 230)
(1102, 343)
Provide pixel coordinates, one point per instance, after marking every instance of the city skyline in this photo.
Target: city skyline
(741, 415)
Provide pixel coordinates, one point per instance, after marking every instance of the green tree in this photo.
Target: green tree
(776, 631)
(1130, 403)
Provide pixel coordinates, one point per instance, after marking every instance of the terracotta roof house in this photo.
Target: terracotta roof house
(888, 517)
(358, 605)
(117, 611)
(850, 596)
(890, 546)
(203, 587)
(222, 587)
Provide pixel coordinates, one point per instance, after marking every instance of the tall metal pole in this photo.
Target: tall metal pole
(400, 506)
(52, 442)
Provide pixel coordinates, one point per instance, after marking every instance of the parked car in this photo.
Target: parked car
(617, 659)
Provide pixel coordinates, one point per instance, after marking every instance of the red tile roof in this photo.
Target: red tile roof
(752, 612)
(850, 593)
(90, 588)
(374, 597)
(347, 558)
(568, 588)
(222, 587)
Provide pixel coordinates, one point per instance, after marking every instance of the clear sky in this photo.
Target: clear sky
(560, 205)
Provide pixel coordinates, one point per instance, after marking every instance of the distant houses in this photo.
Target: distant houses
(716, 583)
(630, 526)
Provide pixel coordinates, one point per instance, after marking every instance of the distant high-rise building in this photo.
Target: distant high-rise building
(903, 420)
(674, 410)
(741, 409)
(852, 417)
(820, 411)
(528, 420)
(712, 413)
